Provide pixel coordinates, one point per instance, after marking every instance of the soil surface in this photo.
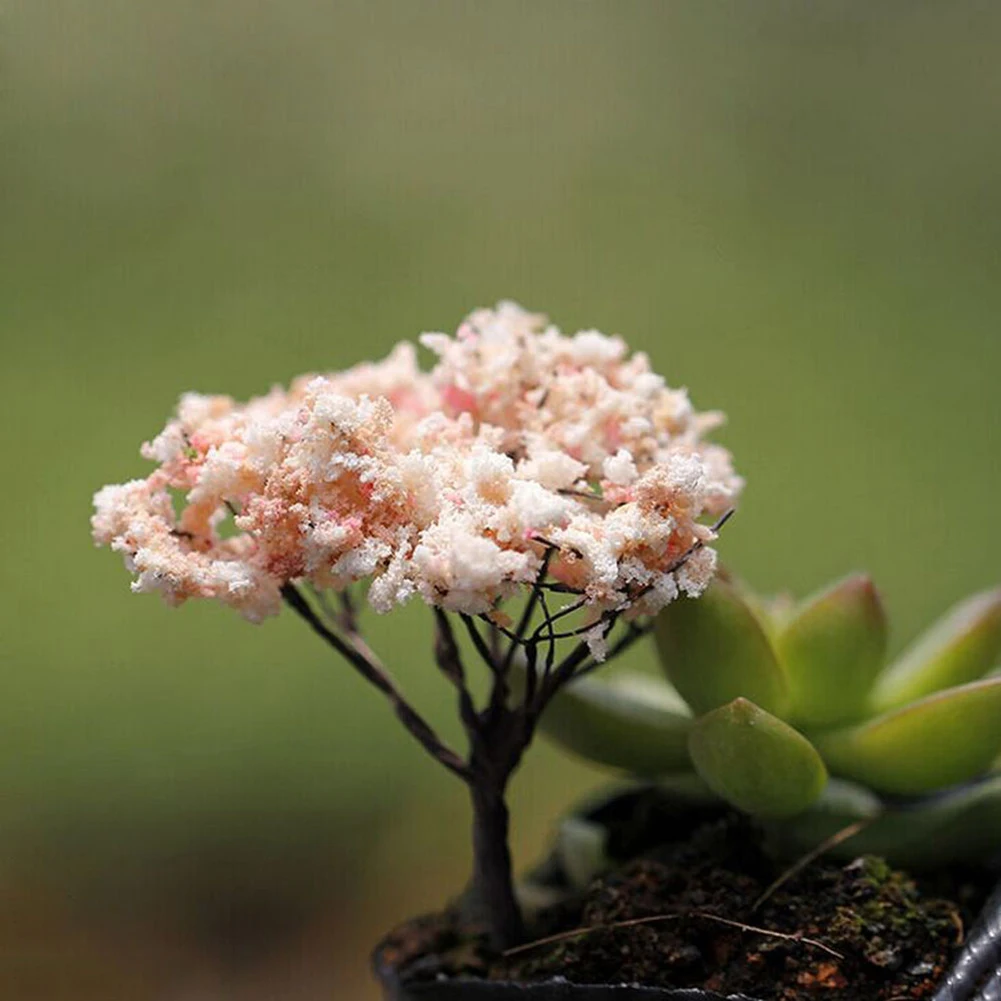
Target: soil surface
(686, 914)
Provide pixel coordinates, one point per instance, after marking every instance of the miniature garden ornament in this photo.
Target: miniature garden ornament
(545, 494)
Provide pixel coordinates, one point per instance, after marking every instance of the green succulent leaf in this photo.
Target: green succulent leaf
(632, 722)
(840, 805)
(755, 761)
(832, 648)
(714, 649)
(964, 825)
(934, 743)
(961, 647)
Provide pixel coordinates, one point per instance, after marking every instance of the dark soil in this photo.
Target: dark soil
(856, 932)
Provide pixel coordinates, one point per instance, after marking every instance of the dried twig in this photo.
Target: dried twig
(839, 837)
(676, 916)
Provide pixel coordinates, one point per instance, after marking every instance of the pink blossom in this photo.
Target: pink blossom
(451, 485)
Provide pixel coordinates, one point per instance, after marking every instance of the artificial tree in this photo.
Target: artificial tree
(526, 469)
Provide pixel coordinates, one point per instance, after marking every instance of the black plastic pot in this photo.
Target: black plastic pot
(460, 989)
(974, 976)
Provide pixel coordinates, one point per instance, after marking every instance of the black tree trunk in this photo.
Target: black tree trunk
(493, 901)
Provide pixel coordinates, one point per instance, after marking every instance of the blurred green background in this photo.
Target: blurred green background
(795, 208)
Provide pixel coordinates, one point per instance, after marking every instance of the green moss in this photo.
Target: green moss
(883, 906)
(877, 871)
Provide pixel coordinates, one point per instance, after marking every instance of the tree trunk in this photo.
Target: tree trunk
(492, 892)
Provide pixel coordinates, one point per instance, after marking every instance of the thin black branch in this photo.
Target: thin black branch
(570, 634)
(551, 652)
(449, 660)
(495, 643)
(578, 662)
(372, 671)
(575, 664)
(529, 611)
(633, 633)
(500, 688)
(611, 617)
(547, 626)
(481, 648)
(501, 629)
(531, 676)
(330, 614)
(350, 616)
(347, 624)
(724, 518)
(695, 547)
(566, 670)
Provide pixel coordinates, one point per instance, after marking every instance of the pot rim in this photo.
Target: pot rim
(397, 988)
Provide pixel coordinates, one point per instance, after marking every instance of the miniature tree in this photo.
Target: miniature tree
(527, 468)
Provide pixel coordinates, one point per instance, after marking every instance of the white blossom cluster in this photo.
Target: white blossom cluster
(451, 485)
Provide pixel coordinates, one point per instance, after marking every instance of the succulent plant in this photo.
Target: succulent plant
(791, 714)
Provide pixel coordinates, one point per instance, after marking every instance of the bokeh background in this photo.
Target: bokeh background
(795, 208)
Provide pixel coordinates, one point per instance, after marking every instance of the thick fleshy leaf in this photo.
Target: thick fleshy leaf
(713, 650)
(840, 805)
(832, 648)
(755, 761)
(934, 743)
(961, 826)
(631, 722)
(961, 647)
(772, 612)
